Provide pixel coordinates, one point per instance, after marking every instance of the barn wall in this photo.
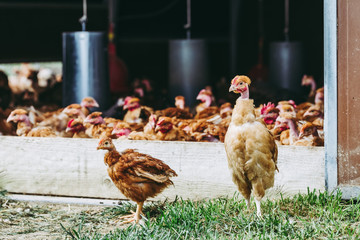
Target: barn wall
(348, 92)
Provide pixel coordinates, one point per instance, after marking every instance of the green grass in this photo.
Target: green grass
(315, 215)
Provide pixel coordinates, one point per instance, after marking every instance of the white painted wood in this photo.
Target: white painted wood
(74, 168)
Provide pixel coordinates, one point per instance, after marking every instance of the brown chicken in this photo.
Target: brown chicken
(289, 134)
(179, 111)
(309, 136)
(250, 147)
(269, 113)
(87, 103)
(121, 130)
(96, 127)
(148, 132)
(76, 127)
(207, 106)
(138, 176)
(166, 131)
(25, 128)
(135, 112)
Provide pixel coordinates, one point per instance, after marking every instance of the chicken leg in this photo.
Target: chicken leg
(135, 216)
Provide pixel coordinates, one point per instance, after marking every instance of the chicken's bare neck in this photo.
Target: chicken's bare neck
(243, 111)
(313, 88)
(245, 94)
(26, 122)
(294, 135)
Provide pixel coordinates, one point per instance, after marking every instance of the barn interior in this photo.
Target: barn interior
(240, 38)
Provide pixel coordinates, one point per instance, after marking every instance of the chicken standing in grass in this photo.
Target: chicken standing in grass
(250, 147)
(138, 176)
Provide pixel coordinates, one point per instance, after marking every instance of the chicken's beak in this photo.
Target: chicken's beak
(232, 88)
(95, 104)
(67, 129)
(10, 118)
(307, 114)
(157, 128)
(125, 106)
(99, 148)
(114, 131)
(301, 135)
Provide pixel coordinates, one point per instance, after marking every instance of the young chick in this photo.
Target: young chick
(138, 176)
(250, 147)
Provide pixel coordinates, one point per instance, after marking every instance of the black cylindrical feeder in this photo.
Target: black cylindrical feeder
(85, 68)
(286, 64)
(188, 68)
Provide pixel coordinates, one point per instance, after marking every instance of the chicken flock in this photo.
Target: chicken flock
(130, 118)
(250, 134)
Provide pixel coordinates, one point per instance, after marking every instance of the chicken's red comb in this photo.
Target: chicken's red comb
(266, 107)
(292, 102)
(70, 122)
(161, 121)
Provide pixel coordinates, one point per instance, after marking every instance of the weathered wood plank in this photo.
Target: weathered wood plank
(74, 168)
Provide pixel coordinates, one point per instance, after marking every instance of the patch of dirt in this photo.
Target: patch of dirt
(34, 220)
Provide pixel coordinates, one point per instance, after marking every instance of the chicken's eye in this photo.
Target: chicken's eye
(106, 143)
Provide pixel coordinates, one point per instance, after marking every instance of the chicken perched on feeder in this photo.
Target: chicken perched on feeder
(138, 176)
(250, 147)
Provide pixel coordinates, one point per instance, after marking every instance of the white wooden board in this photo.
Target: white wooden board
(74, 168)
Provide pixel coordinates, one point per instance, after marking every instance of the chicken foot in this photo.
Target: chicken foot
(134, 216)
